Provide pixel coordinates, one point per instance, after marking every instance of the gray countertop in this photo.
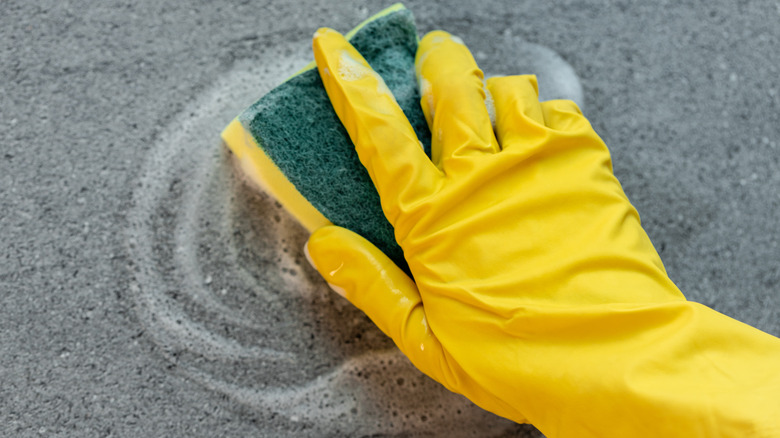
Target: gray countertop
(146, 291)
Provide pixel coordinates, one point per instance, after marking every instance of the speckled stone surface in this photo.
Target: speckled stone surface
(146, 291)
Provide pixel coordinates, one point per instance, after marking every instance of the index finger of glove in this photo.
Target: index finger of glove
(385, 141)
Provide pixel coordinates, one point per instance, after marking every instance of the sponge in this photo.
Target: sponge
(292, 144)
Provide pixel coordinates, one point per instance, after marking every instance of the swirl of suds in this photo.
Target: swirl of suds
(221, 285)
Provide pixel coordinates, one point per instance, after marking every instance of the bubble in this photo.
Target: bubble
(490, 104)
(350, 69)
(426, 91)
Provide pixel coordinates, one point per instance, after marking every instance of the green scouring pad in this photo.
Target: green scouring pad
(292, 144)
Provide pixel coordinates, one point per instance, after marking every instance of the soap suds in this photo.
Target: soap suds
(426, 91)
(418, 67)
(241, 344)
(322, 32)
(338, 289)
(350, 69)
(489, 104)
(382, 89)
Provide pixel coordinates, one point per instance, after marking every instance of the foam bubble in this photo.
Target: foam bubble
(421, 58)
(322, 32)
(338, 289)
(350, 69)
(426, 91)
(489, 103)
(383, 90)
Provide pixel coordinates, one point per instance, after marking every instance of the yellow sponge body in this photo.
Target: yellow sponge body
(256, 166)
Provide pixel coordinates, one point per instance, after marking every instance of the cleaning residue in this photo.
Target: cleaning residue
(350, 69)
(489, 104)
(457, 40)
(426, 91)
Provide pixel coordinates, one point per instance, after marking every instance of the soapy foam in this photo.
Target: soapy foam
(557, 79)
(222, 287)
(421, 57)
(489, 104)
(381, 88)
(438, 39)
(350, 69)
(427, 95)
(322, 32)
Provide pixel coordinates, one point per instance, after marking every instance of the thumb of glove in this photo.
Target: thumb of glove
(360, 272)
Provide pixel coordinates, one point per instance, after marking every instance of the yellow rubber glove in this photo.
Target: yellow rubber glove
(536, 292)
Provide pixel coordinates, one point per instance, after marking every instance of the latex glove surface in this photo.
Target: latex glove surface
(536, 292)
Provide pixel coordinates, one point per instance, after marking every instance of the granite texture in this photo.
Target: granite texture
(145, 291)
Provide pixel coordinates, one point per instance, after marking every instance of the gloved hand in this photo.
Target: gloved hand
(536, 292)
